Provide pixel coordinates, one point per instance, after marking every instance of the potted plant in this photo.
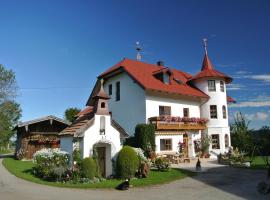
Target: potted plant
(205, 143)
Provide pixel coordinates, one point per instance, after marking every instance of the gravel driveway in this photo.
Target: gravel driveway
(217, 183)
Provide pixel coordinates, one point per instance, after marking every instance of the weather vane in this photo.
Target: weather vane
(205, 44)
(138, 49)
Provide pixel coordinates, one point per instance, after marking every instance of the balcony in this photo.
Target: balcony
(178, 123)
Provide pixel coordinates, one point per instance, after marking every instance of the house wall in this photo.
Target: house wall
(216, 98)
(153, 101)
(196, 135)
(111, 140)
(130, 110)
(66, 144)
(218, 126)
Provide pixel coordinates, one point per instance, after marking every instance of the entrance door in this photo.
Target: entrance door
(101, 151)
(185, 141)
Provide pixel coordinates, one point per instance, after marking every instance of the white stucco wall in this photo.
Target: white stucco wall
(153, 101)
(220, 125)
(130, 110)
(221, 132)
(176, 139)
(111, 141)
(216, 98)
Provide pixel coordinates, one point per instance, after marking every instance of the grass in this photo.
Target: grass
(5, 151)
(258, 163)
(22, 169)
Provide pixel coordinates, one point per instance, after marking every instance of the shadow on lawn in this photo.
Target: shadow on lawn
(11, 155)
(241, 182)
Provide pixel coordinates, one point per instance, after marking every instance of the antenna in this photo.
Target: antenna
(205, 45)
(138, 49)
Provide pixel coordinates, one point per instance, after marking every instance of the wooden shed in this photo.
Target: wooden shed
(37, 134)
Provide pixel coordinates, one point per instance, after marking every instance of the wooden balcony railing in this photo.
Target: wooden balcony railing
(177, 123)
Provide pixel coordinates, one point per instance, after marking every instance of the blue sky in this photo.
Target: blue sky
(57, 48)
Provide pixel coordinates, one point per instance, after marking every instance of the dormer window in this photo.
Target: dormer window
(163, 75)
(166, 78)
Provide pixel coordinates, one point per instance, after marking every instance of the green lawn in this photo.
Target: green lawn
(22, 169)
(258, 163)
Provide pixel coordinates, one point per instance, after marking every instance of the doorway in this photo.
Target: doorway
(101, 154)
(185, 144)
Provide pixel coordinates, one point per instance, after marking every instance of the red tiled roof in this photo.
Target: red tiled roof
(209, 71)
(143, 74)
(230, 100)
(85, 111)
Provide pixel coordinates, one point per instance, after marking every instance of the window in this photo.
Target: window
(213, 111)
(164, 110)
(211, 85)
(117, 91)
(102, 104)
(186, 112)
(215, 141)
(224, 112)
(221, 86)
(102, 125)
(165, 144)
(110, 89)
(226, 139)
(166, 78)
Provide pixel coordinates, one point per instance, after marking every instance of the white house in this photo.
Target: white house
(95, 133)
(178, 103)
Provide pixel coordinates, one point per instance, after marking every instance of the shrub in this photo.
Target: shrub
(145, 138)
(50, 164)
(89, 168)
(77, 156)
(162, 165)
(127, 162)
(144, 164)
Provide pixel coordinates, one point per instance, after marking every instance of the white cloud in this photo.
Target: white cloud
(235, 86)
(259, 101)
(251, 104)
(259, 116)
(262, 77)
(241, 72)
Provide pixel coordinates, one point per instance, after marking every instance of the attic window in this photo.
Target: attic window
(163, 77)
(103, 105)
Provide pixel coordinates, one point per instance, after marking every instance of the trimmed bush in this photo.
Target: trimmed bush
(89, 168)
(145, 138)
(127, 162)
(50, 164)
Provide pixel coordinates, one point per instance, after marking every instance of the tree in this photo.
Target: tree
(241, 135)
(144, 138)
(70, 114)
(263, 143)
(10, 111)
(8, 85)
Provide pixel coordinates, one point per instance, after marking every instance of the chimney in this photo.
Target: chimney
(160, 63)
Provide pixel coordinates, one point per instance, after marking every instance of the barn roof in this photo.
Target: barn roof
(50, 117)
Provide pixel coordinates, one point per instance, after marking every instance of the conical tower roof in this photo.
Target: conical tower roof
(209, 71)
